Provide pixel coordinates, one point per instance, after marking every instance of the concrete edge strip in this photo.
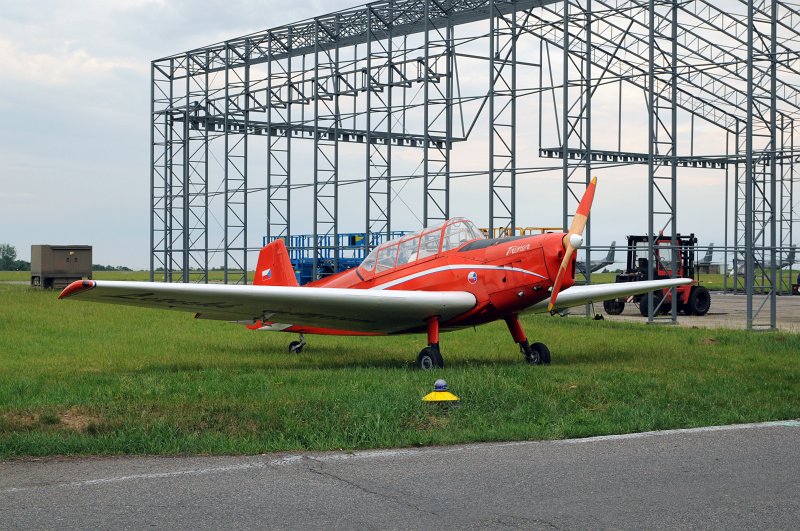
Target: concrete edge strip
(289, 460)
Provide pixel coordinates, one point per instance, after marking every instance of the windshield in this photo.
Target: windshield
(369, 261)
(421, 244)
(458, 233)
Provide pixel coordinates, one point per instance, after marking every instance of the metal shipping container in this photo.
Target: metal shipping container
(55, 266)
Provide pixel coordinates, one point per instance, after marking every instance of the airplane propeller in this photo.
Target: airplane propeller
(574, 238)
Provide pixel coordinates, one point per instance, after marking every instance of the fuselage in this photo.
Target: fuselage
(506, 275)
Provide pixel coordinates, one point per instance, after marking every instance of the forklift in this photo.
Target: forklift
(693, 299)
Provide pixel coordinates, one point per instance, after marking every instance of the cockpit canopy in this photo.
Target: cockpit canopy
(429, 241)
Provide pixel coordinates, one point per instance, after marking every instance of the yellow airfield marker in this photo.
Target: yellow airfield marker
(440, 393)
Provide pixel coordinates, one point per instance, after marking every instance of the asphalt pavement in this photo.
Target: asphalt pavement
(744, 476)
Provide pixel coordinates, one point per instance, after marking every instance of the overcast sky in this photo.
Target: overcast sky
(74, 125)
(74, 111)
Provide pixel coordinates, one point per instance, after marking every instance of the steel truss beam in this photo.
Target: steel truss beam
(385, 76)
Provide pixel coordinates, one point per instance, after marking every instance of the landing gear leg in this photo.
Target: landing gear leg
(536, 354)
(430, 357)
(296, 347)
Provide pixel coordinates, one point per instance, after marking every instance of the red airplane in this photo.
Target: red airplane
(440, 278)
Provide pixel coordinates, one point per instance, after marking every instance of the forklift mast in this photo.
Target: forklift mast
(637, 262)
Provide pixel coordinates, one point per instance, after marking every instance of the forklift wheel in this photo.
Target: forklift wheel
(643, 308)
(699, 300)
(613, 307)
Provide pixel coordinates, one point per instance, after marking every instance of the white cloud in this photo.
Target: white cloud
(63, 66)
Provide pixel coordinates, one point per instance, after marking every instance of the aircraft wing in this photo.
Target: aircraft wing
(358, 310)
(578, 295)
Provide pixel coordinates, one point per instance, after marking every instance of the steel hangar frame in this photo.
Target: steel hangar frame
(248, 131)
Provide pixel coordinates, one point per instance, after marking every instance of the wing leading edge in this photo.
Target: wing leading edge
(379, 311)
(578, 295)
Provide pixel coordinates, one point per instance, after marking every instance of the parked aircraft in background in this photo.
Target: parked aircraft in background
(596, 265)
(707, 259)
(441, 278)
(739, 262)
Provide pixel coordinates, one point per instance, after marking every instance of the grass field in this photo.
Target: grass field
(25, 276)
(80, 378)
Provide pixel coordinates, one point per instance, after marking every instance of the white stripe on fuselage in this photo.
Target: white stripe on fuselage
(439, 269)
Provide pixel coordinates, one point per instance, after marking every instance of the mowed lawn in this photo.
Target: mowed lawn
(80, 378)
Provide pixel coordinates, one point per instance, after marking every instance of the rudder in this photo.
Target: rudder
(274, 267)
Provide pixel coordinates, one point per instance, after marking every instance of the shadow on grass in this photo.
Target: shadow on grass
(328, 361)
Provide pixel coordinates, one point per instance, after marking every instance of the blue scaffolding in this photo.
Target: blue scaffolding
(351, 247)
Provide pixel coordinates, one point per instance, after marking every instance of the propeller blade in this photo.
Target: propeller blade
(574, 238)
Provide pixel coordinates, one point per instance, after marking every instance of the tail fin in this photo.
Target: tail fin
(709, 255)
(274, 267)
(611, 252)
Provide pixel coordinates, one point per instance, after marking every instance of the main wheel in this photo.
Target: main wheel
(296, 347)
(643, 302)
(430, 358)
(613, 307)
(699, 300)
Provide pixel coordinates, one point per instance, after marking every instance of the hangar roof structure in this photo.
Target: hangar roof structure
(363, 116)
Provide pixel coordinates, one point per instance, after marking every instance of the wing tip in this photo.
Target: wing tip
(76, 287)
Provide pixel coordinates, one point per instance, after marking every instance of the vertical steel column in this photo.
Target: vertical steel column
(760, 171)
(674, 152)
(565, 120)
(739, 236)
(196, 171)
(587, 139)
(378, 150)
(748, 189)
(175, 164)
(153, 198)
(237, 104)
(279, 142)
(576, 111)
(326, 155)
(577, 117)
(727, 212)
(185, 177)
(437, 114)
(662, 143)
(502, 119)
(773, 166)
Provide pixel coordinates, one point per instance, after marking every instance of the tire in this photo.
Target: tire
(643, 305)
(429, 359)
(613, 307)
(543, 353)
(699, 300)
(296, 347)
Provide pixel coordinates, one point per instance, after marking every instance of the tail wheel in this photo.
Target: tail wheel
(699, 300)
(613, 307)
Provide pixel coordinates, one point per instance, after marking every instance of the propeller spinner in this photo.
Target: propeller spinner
(574, 238)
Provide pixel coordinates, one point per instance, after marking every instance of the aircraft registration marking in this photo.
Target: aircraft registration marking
(514, 249)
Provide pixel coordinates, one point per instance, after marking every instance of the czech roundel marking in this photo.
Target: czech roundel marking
(267, 273)
(472, 277)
